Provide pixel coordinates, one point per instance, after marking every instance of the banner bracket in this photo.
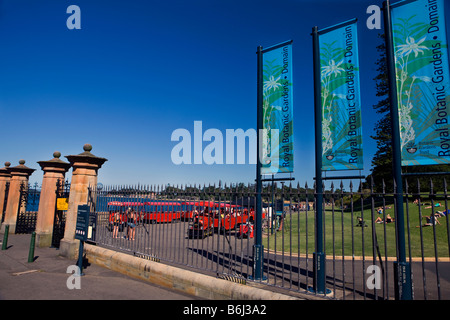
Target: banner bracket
(277, 179)
(342, 177)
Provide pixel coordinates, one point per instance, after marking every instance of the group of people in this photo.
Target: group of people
(131, 220)
(388, 218)
(432, 219)
(223, 212)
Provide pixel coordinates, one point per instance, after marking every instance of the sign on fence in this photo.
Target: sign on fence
(62, 204)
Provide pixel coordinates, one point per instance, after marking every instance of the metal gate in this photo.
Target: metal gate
(28, 208)
(59, 222)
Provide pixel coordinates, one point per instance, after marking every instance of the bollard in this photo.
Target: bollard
(5, 238)
(32, 242)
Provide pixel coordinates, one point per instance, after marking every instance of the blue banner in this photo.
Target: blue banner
(277, 132)
(423, 81)
(342, 147)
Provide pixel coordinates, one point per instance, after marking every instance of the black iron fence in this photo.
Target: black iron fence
(211, 229)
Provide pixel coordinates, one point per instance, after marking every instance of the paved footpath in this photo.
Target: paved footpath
(46, 278)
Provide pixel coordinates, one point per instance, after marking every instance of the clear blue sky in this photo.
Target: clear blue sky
(139, 69)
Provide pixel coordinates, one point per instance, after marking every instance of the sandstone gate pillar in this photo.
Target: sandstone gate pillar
(5, 176)
(19, 175)
(54, 170)
(84, 174)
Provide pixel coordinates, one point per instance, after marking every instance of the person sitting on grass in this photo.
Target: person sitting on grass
(388, 219)
(361, 222)
(442, 213)
(436, 205)
(430, 221)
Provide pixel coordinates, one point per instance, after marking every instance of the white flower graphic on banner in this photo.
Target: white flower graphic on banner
(407, 132)
(412, 46)
(271, 83)
(332, 68)
(329, 73)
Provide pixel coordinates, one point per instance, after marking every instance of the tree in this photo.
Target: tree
(382, 160)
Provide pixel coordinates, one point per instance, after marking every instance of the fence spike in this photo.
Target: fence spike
(298, 191)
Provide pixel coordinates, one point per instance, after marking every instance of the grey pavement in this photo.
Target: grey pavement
(46, 278)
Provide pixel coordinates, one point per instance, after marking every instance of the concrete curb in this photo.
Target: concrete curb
(186, 281)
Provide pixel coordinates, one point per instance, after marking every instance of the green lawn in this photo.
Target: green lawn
(343, 237)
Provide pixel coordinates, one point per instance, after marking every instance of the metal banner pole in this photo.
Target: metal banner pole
(258, 247)
(80, 257)
(318, 256)
(402, 269)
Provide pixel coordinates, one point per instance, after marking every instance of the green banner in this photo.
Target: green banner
(277, 132)
(342, 147)
(423, 81)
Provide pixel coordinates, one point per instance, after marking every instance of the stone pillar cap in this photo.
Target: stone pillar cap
(86, 157)
(55, 162)
(21, 168)
(4, 171)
